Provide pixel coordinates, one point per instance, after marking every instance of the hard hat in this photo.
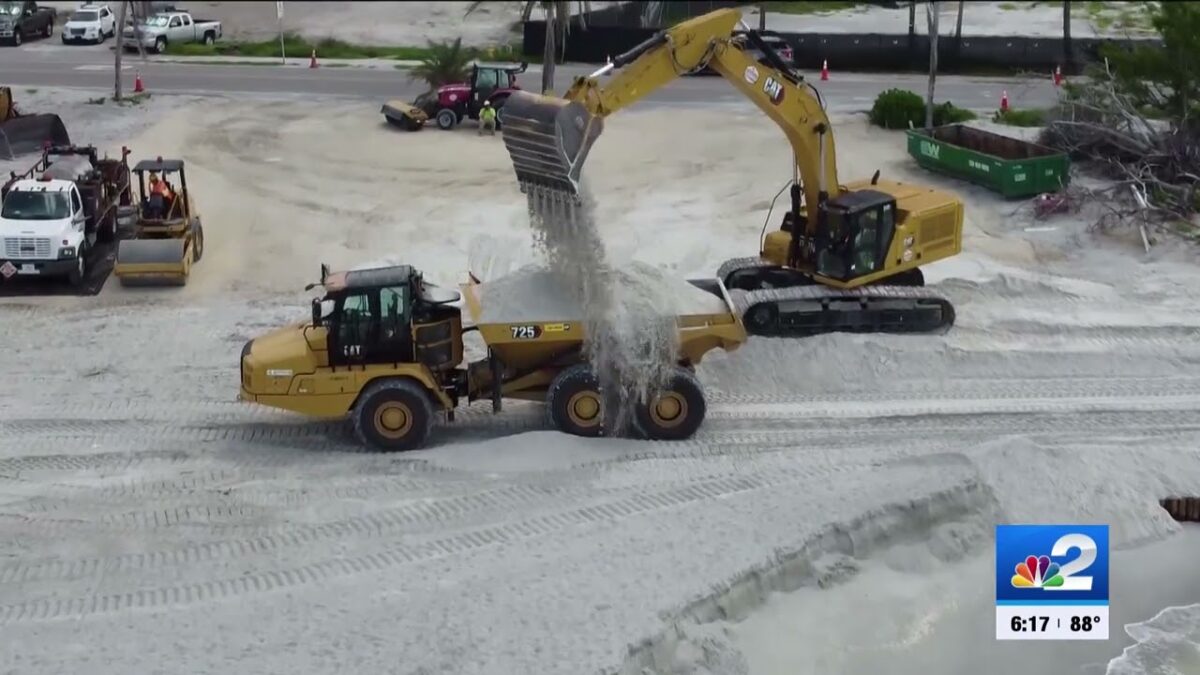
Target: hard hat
(487, 102)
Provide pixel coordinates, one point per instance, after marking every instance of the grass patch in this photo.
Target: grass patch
(1007, 6)
(31, 91)
(329, 48)
(810, 7)
(134, 99)
(1020, 118)
(96, 101)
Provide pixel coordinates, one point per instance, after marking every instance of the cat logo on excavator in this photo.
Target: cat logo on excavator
(773, 89)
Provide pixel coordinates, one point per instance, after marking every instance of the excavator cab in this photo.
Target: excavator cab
(860, 226)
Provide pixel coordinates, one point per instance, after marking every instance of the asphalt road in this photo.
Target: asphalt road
(50, 64)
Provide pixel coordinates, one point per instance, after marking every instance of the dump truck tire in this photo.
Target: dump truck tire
(393, 415)
(197, 241)
(575, 402)
(673, 413)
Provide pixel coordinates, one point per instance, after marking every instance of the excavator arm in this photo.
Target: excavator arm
(549, 138)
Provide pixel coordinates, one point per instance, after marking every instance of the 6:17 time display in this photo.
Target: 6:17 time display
(1031, 623)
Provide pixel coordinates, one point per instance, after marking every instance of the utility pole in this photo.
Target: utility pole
(120, 49)
(762, 16)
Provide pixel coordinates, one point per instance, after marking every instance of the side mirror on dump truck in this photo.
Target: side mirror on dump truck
(316, 312)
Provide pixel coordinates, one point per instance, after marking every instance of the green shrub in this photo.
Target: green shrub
(948, 113)
(1020, 118)
(897, 108)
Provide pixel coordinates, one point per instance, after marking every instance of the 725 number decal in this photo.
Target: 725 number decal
(530, 332)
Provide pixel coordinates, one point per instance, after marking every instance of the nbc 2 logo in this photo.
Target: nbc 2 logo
(1051, 561)
(1039, 572)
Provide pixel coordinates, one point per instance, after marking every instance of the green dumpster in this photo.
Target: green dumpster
(1010, 166)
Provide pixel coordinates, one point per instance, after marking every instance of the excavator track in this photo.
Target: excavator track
(813, 309)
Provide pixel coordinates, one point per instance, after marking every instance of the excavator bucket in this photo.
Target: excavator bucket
(153, 262)
(28, 134)
(548, 139)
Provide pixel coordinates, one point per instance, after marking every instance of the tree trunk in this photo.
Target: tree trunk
(562, 11)
(762, 16)
(932, 14)
(1068, 57)
(912, 31)
(527, 11)
(958, 26)
(120, 49)
(549, 54)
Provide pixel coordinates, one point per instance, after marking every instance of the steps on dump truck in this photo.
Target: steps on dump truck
(806, 310)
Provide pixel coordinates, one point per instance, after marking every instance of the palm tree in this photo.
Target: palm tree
(558, 20)
(445, 63)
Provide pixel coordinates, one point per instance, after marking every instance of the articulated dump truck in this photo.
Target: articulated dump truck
(385, 348)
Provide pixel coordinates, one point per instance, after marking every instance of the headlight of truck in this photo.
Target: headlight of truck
(66, 252)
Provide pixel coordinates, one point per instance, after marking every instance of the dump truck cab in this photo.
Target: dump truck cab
(385, 348)
(381, 344)
(168, 236)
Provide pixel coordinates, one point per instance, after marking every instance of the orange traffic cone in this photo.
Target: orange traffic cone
(1058, 78)
(1004, 101)
(824, 70)
(312, 61)
(138, 87)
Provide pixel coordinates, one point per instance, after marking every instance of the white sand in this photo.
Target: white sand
(532, 294)
(146, 519)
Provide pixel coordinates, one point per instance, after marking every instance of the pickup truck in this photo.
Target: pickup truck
(19, 20)
(172, 28)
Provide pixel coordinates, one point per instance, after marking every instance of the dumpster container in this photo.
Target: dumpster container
(1010, 166)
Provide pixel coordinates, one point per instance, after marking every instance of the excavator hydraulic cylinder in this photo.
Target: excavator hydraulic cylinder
(548, 140)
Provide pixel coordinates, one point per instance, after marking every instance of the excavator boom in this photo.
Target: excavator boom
(549, 138)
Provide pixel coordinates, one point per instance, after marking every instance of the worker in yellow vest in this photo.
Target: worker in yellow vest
(487, 119)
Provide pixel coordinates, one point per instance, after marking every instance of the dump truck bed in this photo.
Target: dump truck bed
(528, 317)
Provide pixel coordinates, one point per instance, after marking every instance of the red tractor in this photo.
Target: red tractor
(450, 104)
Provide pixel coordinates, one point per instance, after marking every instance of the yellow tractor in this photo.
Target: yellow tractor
(168, 238)
(22, 134)
(846, 257)
(386, 349)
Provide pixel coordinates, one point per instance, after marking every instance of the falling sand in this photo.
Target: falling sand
(630, 321)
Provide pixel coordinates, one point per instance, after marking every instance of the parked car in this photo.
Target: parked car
(91, 23)
(774, 40)
(19, 20)
(172, 28)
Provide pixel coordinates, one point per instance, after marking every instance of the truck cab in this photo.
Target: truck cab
(19, 20)
(382, 344)
(43, 230)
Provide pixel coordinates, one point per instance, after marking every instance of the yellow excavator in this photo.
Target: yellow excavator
(846, 258)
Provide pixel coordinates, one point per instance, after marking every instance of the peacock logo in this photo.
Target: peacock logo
(1037, 572)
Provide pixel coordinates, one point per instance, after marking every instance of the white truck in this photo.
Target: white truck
(171, 28)
(55, 214)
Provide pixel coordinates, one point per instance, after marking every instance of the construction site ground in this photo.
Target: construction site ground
(149, 523)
